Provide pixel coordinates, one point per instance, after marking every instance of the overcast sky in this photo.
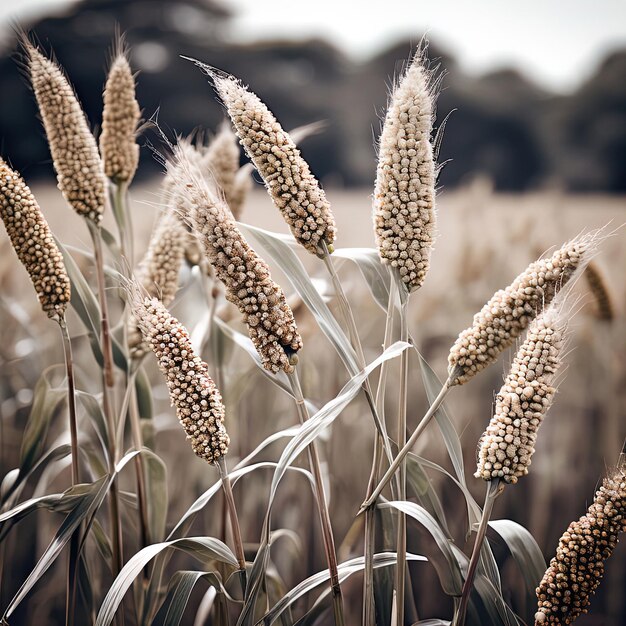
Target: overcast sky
(557, 42)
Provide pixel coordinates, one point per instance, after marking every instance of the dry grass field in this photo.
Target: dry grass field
(484, 240)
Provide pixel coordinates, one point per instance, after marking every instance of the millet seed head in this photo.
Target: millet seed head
(80, 173)
(158, 271)
(246, 277)
(242, 186)
(604, 304)
(506, 447)
(197, 400)
(404, 195)
(33, 242)
(576, 571)
(120, 117)
(221, 161)
(287, 176)
(509, 311)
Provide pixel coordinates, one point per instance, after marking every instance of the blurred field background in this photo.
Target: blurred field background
(531, 168)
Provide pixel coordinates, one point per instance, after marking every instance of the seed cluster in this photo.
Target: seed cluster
(600, 289)
(509, 312)
(158, 270)
(289, 181)
(80, 173)
(197, 400)
(506, 447)
(120, 116)
(221, 161)
(247, 278)
(577, 569)
(242, 186)
(404, 196)
(33, 242)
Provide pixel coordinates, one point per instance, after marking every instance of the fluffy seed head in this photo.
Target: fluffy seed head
(576, 571)
(404, 196)
(509, 312)
(158, 271)
(197, 400)
(221, 161)
(601, 291)
(80, 173)
(506, 447)
(289, 181)
(247, 278)
(32, 240)
(120, 117)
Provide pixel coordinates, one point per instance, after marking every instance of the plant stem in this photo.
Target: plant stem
(322, 507)
(234, 521)
(71, 399)
(356, 344)
(409, 444)
(494, 489)
(140, 473)
(118, 193)
(107, 355)
(400, 574)
(74, 555)
(369, 603)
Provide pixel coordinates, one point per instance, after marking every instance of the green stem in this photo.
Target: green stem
(494, 489)
(322, 506)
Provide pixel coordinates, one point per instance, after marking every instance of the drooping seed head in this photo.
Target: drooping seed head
(120, 116)
(576, 571)
(509, 311)
(33, 242)
(246, 277)
(80, 173)
(158, 271)
(221, 161)
(506, 447)
(404, 195)
(601, 290)
(197, 400)
(287, 176)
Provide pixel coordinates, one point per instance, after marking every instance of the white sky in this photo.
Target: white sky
(557, 42)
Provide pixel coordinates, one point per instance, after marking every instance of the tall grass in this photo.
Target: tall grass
(299, 402)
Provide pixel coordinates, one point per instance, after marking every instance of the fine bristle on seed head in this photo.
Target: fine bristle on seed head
(287, 176)
(120, 117)
(576, 570)
(404, 196)
(33, 242)
(509, 311)
(246, 277)
(193, 393)
(80, 173)
(506, 447)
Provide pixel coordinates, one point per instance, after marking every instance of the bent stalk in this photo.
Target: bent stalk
(409, 445)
